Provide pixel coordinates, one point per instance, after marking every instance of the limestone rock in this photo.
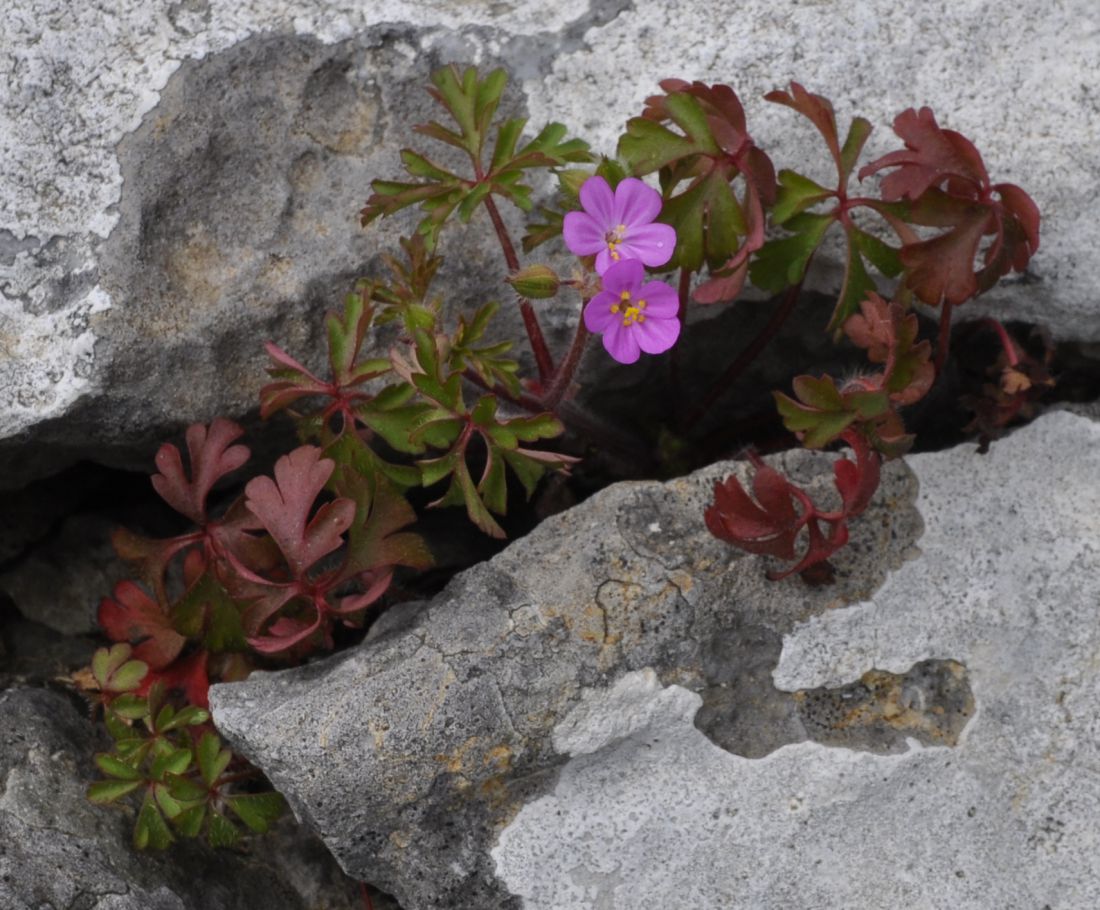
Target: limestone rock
(60, 584)
(410, 754)
(619, 710)
(649, 812)
(181, 182)
(58, 850)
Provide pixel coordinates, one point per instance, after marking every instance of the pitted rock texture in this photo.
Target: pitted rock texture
(409, 754)
(58, 851)
(180, 182)
(648, 812)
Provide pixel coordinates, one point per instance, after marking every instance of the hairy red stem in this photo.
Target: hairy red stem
(1006, 340)
(567, 368)
(543, 359)
(746, 357)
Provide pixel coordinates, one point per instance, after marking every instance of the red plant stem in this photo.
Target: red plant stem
(944, 344)
(567, 368)
(530, 320)
(1006, 340)
(746, 357)
(368, 904)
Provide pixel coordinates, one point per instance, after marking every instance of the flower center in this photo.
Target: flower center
(614, 238)
(630, 308)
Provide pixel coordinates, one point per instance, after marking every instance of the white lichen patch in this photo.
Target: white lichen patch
(46, 360)
(649, 812)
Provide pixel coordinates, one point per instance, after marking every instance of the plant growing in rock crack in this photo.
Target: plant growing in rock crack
(266, 580)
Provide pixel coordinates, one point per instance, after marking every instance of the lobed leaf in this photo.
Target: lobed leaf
(211, 456)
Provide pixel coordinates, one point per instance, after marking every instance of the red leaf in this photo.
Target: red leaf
(942, 268)
(890, 338)
(133, 616)
(769, 528)
(211, 457)
(942, 174)
(818, 110)
(931, 155)
(293, 381)
(188, 677)
(857, 481)
(283, 505)
(284, 634)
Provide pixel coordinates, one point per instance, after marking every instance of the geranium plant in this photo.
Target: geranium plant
(270, 577)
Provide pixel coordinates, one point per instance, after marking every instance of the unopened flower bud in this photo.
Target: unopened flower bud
(536, 281)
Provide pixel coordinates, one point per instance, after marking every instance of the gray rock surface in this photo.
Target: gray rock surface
(622, 712)
(58, 851)
(60, 584)
(647, 811)
(410, 754)
(180, 182)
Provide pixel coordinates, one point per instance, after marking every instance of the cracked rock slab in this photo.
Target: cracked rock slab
(410, 754)
(647, 811)
(57, 850)
(180, 182)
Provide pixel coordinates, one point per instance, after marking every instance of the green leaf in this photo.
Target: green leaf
(782, 263)
(822, 412)
(114, 767)
(507, 135)
(208, 613)
(858, 131)
(103, 792)
(166, 802)
(151, 830)
(858, 283)
(131, 707)
(258, 810)
(220, 832)
(419, 166)
(189, 716)
(186, 790)
(177, 761)
(212, 758)
(189, 821)
(796, 194)
(114, 671)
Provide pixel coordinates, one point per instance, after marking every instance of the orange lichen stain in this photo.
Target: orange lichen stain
(400, 839)
(886, 703)
(499, 758)
(456, 762)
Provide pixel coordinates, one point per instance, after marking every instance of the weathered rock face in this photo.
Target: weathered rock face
(58, 850)
(410, 754)
(181, 183)
(648, 811)
(618, 710)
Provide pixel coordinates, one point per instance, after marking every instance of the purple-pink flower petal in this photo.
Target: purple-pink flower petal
(655, 336)
(597, 314)
(662, 302)
(582, 235)
(652, 243)
(598, 200)
(635, 203)
(621, 342)
(633, 316)
(623, 276)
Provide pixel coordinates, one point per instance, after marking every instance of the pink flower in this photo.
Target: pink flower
(632, 316)
(619, 226)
